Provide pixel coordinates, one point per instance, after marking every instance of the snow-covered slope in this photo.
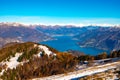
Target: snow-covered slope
(83, 72)
(45, 49)
(12, 61)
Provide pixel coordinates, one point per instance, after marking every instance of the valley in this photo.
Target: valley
(70, 43)
(59, 39)
(87, 39)
(47, 48)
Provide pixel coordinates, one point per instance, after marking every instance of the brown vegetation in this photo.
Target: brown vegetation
(11, 50)
(42, 66)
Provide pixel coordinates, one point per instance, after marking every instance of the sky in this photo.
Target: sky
(78, 12)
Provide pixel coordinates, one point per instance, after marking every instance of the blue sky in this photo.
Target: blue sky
(60, 11)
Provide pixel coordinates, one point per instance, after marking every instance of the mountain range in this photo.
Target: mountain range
(105, 38)
(20, 33)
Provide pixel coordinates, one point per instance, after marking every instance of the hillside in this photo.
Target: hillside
(20, 33)
(32, 60)
(29, 60)
(101, 72)
(106, 38)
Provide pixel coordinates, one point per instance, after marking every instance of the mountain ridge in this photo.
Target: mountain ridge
(11, 33)
(102, 38)
(87, 36)
(57, 25)
(31, 60)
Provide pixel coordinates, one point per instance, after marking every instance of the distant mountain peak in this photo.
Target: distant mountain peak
(57, 25)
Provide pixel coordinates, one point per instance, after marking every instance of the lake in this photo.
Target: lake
(64, 43)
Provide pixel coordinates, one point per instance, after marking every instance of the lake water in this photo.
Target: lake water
(64, 43)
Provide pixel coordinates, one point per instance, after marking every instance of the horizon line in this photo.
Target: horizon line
(76, 25)
(47, 20)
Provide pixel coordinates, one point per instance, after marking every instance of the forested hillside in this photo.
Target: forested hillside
(31, 60)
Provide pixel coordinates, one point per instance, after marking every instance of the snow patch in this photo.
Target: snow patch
(35, 45)
(12, 63)
(45, 49)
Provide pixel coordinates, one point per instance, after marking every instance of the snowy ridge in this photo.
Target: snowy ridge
(45, 49)
(17, 24)
(81, 73)
(13, 63)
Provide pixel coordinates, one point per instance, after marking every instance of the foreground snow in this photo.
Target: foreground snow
(83, 72)
(12, 63)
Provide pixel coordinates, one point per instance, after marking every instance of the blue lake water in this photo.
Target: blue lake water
(64, 43)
